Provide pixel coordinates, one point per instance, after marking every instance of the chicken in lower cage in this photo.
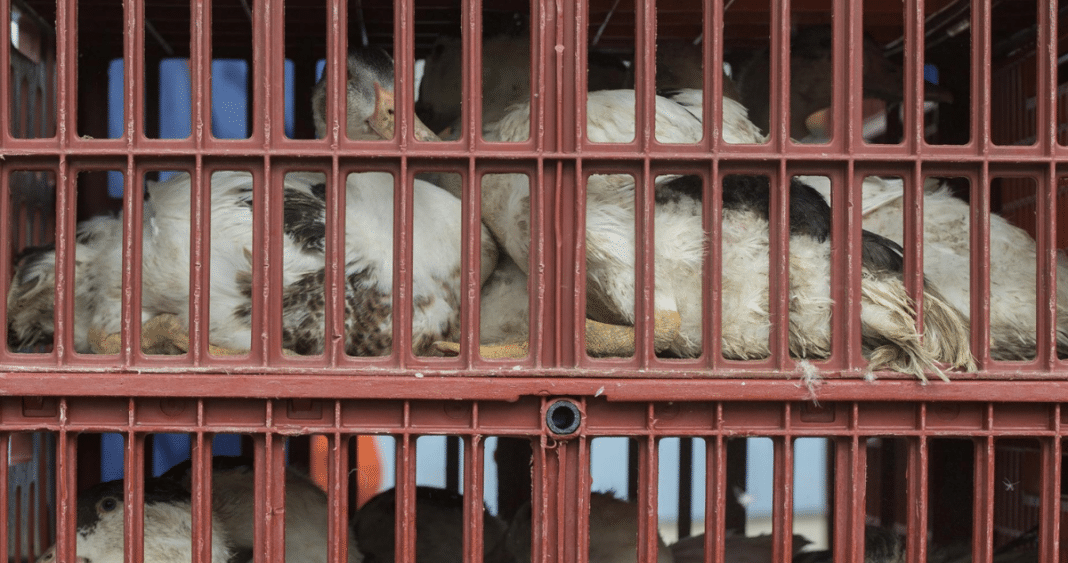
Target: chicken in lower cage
(307, 512)
(368, 276)
(613, 532)
(168, 525)
(736, 548)
(880, 546)
(439, 528)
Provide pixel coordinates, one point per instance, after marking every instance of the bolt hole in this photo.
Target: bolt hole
(563, 418)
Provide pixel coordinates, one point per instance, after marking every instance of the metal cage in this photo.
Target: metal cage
(974, 462)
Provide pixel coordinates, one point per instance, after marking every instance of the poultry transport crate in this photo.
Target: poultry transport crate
(731, 412)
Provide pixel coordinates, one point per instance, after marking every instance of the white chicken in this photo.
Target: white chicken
(168, 525)
(947, 251)
(504, 303)
(887, 317)
(947, 261)
(436, 236)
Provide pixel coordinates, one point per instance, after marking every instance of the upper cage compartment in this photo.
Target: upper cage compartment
(568, 207)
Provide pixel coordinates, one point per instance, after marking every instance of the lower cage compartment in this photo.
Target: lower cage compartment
(540, 479)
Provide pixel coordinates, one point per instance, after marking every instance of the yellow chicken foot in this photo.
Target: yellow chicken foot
(162, 334)
(602, 340)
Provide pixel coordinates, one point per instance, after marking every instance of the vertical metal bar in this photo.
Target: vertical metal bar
(263, 523)
(134, 73)
(66, 129)
(199, 266)
(200, 475)
(779, 268)
(199, 190)
(852, 80)
(66, 488)
(842, 535)
(916, 493)
(648, 479)
(983, 526)
(6, 100)
(336, 75)
(712, 206)
(567, 215)
(274, 73)
(559, 114)
(5, 523)
(261, 74)
(471, 73)
(271, 67)
(134, 501)
(404, 60)
(573, 488)
(779, 80)
(134, 104)
(539, 502)
(405, 492)
(402, 192)
(200, 55)
(912, 225)
(66, 72)
(403, 213)
(334, 281)
(1046, 196)
(714, 78)
(474, 450)
(1049, 507)
(337, 490)
(471, 204)
(563, 217)
(716, 493)
(274, 475)
(980, 264)
(712, 327)
(857, 476)
(471, 247)
(644, 74)
(852, 204)
(1046, 263)
(66, 217)
(782, 512)
(541, 309)
(980, 76)
(644, 251)
(133, 206)
(6, 218)
(914, 85)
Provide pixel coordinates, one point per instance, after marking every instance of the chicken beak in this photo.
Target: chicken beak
(383, 121)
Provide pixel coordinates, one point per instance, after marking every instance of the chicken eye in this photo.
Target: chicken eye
(107, 504)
